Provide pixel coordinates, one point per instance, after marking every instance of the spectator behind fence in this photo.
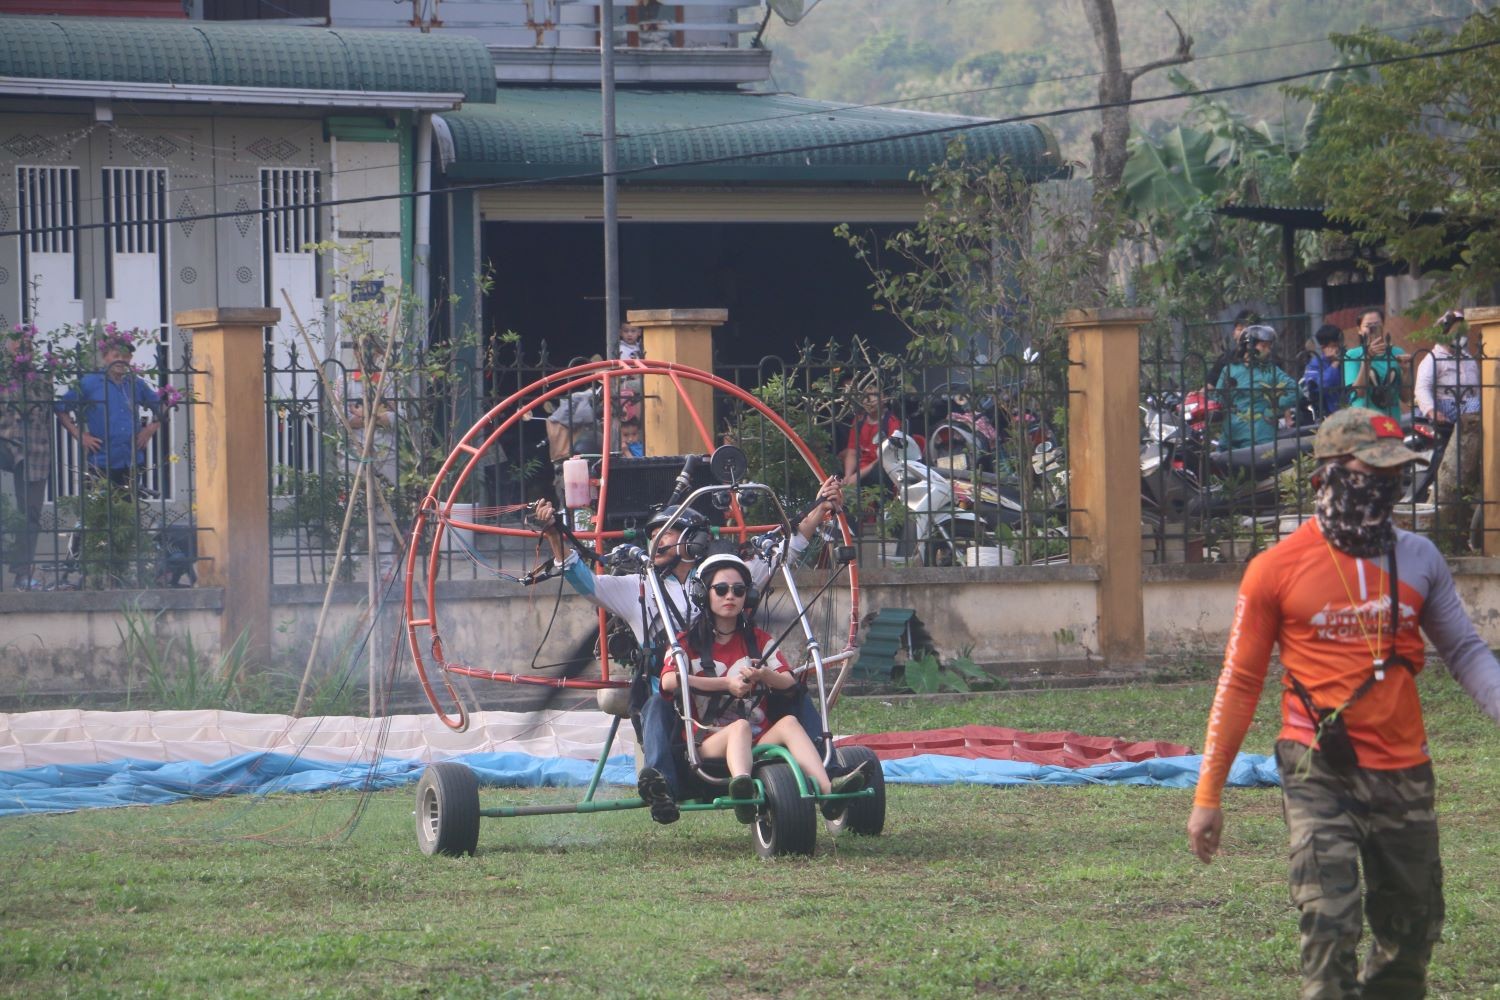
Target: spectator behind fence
(874, 423)
(1255, 393)
(25, 442)
(630, 438)
(1242, 319)
(570, 427)
(1323, 379)
(109, 402)
(1372, 371)
(630, 345)
(1447, 393)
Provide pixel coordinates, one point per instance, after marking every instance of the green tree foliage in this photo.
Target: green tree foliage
(991, 264)
(1043, 56)
(1409, 155)
(1199, 262)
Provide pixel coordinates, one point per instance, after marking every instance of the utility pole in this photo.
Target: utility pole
(611, 205)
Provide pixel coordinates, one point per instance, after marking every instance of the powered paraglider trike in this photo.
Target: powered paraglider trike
(817, 633)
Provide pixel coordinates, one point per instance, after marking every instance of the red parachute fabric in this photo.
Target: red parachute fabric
(998, 743)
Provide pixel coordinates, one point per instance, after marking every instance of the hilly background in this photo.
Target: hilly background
(994, 58)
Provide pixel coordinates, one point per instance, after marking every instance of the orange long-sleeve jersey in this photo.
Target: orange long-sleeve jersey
(1329, 614)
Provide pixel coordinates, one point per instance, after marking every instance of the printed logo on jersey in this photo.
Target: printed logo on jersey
(1357, 623)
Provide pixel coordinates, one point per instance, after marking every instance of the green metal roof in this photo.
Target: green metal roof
(238, 55)
(548, 132)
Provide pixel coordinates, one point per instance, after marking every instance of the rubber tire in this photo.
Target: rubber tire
(866, 816)
(788, 823)
(448, 810)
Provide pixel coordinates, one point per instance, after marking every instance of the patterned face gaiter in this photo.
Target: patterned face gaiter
(1354, 510)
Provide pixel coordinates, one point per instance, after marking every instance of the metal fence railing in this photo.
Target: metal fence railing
(956, 463)
(1226, 449)
(112, 506)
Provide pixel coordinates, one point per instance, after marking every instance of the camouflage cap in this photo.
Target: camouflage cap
(1368, 435)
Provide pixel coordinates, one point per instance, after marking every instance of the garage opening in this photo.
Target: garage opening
(783, 284)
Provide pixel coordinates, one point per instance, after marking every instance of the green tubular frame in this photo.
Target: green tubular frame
(589, 805)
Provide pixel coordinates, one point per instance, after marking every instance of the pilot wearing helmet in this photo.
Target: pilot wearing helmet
(676, 549)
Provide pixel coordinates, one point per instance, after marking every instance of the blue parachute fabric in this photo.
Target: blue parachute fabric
(67, 787)
(1247, 771)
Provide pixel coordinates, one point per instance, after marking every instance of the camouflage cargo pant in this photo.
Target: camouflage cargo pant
(1382, 822)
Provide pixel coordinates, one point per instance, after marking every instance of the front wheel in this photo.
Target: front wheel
(863, 816)
(788, 823)
(448, 810)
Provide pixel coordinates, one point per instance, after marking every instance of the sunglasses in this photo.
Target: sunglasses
(723, 589)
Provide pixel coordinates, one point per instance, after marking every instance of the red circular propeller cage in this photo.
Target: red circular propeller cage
(422, 624)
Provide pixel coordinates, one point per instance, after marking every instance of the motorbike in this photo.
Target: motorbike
(1184, 472)
(947, 515)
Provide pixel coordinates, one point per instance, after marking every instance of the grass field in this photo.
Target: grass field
(972, 892)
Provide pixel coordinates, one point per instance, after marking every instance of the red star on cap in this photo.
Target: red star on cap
(1385, 427)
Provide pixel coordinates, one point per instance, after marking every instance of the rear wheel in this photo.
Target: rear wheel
(788, 823)
(448, 810)
(862, 816)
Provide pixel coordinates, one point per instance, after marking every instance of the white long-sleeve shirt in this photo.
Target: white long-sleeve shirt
(622, 595)
(1446, 374)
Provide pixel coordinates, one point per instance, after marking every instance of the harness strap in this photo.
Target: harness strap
(1378, 668)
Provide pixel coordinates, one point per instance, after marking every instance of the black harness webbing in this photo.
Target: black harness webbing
(1321, 717)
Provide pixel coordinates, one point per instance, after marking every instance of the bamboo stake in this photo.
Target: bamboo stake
(364, 454)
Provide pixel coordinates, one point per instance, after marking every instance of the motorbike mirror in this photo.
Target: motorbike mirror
(728, 464)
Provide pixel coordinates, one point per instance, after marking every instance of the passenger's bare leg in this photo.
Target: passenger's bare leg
(788, 732)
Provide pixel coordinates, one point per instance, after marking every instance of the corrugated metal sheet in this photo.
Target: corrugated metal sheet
(238, 55)
(548, 132)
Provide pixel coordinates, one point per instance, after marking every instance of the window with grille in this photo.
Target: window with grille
(51, 274)
(291, 221)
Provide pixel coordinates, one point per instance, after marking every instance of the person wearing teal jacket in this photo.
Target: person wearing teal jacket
(1255, 393)
(1372, 371)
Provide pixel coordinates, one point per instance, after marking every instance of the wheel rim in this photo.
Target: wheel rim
(428, 813)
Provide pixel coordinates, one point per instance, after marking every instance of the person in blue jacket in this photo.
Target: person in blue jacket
(1255, 393)
(1323, 380)
(109, 403)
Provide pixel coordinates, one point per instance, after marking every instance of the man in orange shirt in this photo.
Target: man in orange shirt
(1344, 596)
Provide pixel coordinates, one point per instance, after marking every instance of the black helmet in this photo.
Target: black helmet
(692, 527)
(690, 518)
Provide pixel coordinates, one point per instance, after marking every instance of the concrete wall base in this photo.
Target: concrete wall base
(1029, 625)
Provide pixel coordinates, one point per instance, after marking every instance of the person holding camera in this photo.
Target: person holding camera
(1347, 597)
(1255, 393)
(676, 549)
(1372, 371)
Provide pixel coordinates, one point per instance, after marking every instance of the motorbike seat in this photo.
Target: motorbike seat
(1261, 460)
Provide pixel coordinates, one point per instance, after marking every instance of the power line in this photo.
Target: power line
(795, 150)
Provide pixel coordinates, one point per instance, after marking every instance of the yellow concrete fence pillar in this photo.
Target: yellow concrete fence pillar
(1484, 327)
(684, 337)
(1104, 475)
(229, 468)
